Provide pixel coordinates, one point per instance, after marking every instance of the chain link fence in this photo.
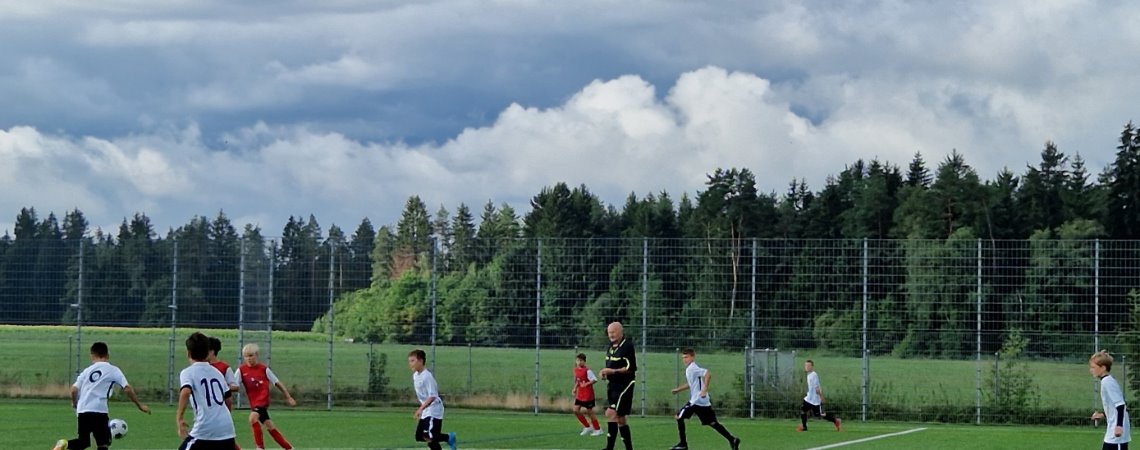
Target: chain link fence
(961, 329)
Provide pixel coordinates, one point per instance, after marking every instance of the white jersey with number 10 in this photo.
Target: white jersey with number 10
(208, 387)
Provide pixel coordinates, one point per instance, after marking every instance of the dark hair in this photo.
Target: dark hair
(419, 354)
(810, 362)
(199, 346)
(689, 351)
(215, 345)
(99, 349)
(581, 356)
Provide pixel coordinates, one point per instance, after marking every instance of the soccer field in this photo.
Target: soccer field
(37, 424)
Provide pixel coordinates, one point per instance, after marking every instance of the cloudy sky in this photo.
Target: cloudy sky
(344, 108)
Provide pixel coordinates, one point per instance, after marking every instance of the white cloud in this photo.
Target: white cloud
(615, 136)
(343, 109)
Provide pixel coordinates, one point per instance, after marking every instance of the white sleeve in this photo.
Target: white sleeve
(590, 375)
(186, 380)
(272, 377)
(1115, 396)
(122, 379)
(78, 380)
(231, 377)
(431, 388)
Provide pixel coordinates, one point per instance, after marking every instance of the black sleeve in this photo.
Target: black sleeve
(1120, 416)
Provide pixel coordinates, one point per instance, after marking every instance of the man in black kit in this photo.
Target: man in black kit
(621, 365)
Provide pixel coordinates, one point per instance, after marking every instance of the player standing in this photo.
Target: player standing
(697, 379)
(620, 371)
(1118, 430)
(584, 380)
(89, 398)
(205, 389)
(257, 378)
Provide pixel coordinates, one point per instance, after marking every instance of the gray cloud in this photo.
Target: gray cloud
(344, 109)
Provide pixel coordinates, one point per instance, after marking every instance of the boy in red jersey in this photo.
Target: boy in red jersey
(257, 378)
(224, 368)
(584, 380)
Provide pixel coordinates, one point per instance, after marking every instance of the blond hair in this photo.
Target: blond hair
(1103, 359)
(250, 349)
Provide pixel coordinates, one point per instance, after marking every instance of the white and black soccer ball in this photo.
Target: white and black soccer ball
(118, 428)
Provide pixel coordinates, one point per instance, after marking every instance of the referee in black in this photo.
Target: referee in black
(621, 367)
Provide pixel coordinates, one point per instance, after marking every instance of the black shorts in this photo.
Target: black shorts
(262, 414)
(199, 444)
(1108, 446)
(92, 423)
(430, 429)
(588, 404)
(621, 398)
(705, 413)
(816, 410)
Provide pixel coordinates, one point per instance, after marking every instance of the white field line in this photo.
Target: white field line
(858, 441)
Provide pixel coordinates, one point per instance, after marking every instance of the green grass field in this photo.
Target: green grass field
(36, 424)
(36, 362)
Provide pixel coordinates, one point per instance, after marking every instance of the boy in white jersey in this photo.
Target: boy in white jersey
(813, 401)
(205, 388)
(430, 412)
(89, 398)
(1119, 427)
(697, 383)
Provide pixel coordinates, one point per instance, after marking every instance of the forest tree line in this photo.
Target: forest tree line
(695, 252)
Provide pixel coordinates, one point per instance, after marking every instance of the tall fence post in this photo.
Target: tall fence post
(173, 328)
(537, 324)
(1096, 296)
(752, 321)
(978, 349)
(751, 341)
(644, 316)
(1096, 315)
(434, 297)
(269, 307)
(78, 305)
(241, 294)
(332, 322)
(866, 354)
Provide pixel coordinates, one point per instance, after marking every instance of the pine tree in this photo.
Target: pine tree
(358, 271)
(1123, 205)
(917, 175)
(413, 233)
(464, 245)
(383, 256)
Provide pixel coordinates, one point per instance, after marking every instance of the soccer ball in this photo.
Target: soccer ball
(118, 428)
